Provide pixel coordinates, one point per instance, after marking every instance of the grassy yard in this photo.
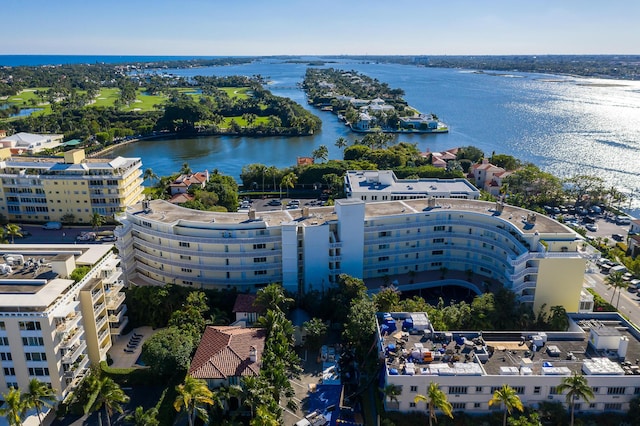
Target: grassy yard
(242, 122)
(145, 102)
(106, 97)
(236, 92)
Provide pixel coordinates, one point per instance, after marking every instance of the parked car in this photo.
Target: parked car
(275, 202)
(591, 227)
(618, 237)
(52, 225)
(86, 236)
(108, 239)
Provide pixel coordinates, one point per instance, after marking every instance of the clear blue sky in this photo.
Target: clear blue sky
(272, 27)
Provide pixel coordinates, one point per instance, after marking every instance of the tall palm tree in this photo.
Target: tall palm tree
(616, 281)
(185, 169)
(13, 231)
(14, 407)
(506, 395)
(577, 388)
(320, 153)
(108, 394)
(273, 172)
(273, 297)
(40, 395)
(289, 181)
(193, 396)
(144, 418)
(341, 143)
(436, 399)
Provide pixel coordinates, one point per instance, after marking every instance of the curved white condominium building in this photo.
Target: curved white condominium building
(534, 256)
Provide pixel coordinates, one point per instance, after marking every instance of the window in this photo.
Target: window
(593, 405)
(6, 356)
(12, 385)
(29, 325)
(38, 371)
(259, 246)
(458, 405)
(453, 390)
(414, 389)
(33, 341)
(616, 390)
(384, 234)
(383, 270)
(437, 252)
(494, 388)
(9, 371)
(412, 405)
(595, 389)
(553, 390)
(183, 244)
(636, 391)
(383, 258)
(185, 257)
(519, 389)
(478, 389)
(612, 406)
(438, 228)
(36, 356)
(188, 270)
(438, 240)
(262, 272)
(4, 341)
(476, 405)
(2, 325)
(436, 264)
(383, 246)
(536, 390)
(259, 259)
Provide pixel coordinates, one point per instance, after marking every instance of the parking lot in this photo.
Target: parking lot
(601, 225)
(270, 204)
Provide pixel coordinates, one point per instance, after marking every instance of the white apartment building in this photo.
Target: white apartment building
(536, 257)
(53, 327)
(383, 185)
(469, 366)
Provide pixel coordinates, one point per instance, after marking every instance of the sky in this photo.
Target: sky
(319, 27)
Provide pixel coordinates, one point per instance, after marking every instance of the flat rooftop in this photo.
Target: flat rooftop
(367, 181)
(27, 279)
(165, 212)
(505, 353)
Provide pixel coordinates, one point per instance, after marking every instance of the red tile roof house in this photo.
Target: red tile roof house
(183, 183)
(226, 354)
(245, 310)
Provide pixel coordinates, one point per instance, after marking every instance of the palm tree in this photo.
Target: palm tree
(149, 174)
(3, 236)
(436, 400)
(577, 388)
(273, 297)
(192, 397)
(144, 418)
(264, 417)
(273, 172)
(97, 220)
(289, 181)
(341, 143)
(320, 153)
(14, 408)
(13, 231)
(40, 395)
(106, 393)
(186, 169)
(392, 392)
(506, 395)
(616, 281)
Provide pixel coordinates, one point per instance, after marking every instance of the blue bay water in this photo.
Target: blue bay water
(565, 125)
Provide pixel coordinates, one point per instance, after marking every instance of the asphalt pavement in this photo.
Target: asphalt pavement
(66, 235)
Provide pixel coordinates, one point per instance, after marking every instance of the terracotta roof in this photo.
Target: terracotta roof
(224, 352)
(244, 303)
(181, 198)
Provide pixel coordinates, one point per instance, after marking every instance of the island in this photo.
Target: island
(365, 104)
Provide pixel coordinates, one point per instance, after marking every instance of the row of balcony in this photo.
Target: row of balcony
(142, 256)
(209, 254)
(177, 238)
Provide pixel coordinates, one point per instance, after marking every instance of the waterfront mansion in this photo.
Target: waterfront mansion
(539, 259)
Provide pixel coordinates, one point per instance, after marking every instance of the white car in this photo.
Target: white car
(591, 227)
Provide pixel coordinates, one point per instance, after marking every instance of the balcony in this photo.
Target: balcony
(117, 329)
(103, 334)
(96, 295)
(77, 368)
(72, 354)
(117, 316)
(97, 310)
(71, 338)
(114, 301)
(70, 321)
(101, 322)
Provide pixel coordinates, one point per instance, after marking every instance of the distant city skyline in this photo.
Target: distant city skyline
(290, 27)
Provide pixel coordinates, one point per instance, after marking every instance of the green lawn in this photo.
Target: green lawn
(106, 97)
(242, 122)
(236, 92)
(146, 102)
